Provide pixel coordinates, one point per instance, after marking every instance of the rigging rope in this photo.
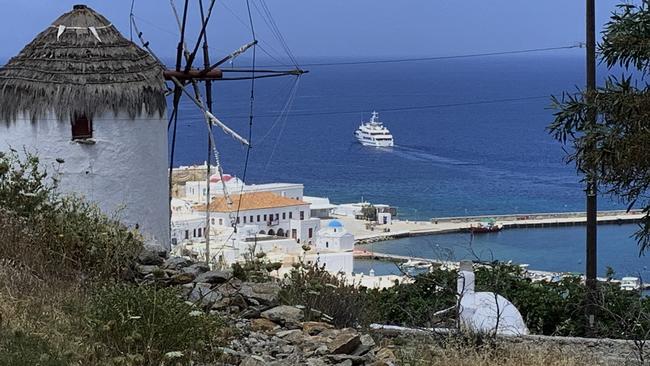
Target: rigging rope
(250, 115)
(131, 20)
(288, 106)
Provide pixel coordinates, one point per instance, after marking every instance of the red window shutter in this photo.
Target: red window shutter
(82, 128)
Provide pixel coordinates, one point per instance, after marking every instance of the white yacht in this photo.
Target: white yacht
(630, 283)
(373, 133)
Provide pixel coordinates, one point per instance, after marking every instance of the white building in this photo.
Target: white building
(385, 213)
(334, 248)
(197, 191)
(269, 213)
(320, 206)
(289, 190)
(186, 225)
(91, 104)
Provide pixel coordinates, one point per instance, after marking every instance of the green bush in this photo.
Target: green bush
(547, 308)
(144, 325)
(414, 304)
(20, 349)
(50, 233)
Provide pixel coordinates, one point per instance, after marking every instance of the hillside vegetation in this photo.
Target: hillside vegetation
(76, 289)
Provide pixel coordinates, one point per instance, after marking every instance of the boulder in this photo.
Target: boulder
(204, 295)
(386, 356)
(213, 277)
(263, 325)
(144, 269)
(253, 361)
(150, 257)
(182, 278)
(314, 328)
(367, 340)
(346, 359)
(315, 362)
(367, 343)
(196, 269)
(266, 293)
(284, 315)
(177, 263)
(344, 343)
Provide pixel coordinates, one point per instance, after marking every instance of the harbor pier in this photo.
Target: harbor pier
(367, 233)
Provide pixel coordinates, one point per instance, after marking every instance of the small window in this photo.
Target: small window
(311, 232)
(258, 218)
(302, 215)
(244, 219)
(251, 218)
(82, 128)
(264, 217)
(291, 215)
(284, 216)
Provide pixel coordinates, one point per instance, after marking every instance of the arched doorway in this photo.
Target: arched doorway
(271, 232)
(262, 232)
(280, 232)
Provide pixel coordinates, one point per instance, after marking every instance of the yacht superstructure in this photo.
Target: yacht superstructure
(374, 133)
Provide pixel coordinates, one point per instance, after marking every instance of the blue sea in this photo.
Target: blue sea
(470, 139)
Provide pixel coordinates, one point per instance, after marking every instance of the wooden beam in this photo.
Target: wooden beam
(193, 74)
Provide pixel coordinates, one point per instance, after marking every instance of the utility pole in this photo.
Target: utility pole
(208, 172)
(592, 184)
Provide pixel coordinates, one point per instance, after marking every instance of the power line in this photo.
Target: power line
(357, 111)
(410, 108)
(436, 58)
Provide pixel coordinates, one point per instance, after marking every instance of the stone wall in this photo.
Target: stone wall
(606, 351)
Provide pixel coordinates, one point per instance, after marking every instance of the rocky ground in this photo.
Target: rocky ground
(268, 333)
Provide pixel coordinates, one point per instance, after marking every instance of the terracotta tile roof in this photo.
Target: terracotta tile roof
(251, 201)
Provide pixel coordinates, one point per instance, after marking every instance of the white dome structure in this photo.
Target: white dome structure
(486, 312)
(334, 237)
(82, 93)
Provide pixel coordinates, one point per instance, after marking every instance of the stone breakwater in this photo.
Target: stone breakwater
(268, 333)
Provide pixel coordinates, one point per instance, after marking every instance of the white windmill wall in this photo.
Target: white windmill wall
(125, 170)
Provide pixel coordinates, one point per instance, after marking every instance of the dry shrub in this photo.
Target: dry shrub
(319, 291)
(458, 352)
(141, 325)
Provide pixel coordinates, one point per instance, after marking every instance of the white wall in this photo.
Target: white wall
(284, 224)
(125, 170)
(334, 262)
(339, 240)
(187, 224)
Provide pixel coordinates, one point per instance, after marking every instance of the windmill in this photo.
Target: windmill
(187, 75)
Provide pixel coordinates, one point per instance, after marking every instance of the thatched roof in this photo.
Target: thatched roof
(89, 68)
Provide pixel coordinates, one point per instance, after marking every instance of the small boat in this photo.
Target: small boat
(630, 283)
(487, 226)
(416, 264)
(374, 133)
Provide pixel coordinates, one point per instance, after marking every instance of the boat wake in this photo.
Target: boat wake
(412, 153)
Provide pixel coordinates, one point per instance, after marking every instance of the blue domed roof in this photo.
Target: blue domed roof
(335, 223)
